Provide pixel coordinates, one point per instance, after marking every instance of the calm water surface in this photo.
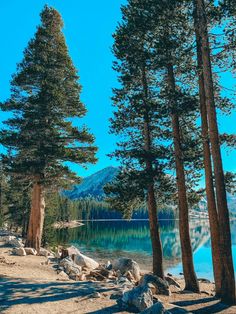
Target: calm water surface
(107, 240)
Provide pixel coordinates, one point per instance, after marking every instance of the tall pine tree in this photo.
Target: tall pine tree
(45, 95)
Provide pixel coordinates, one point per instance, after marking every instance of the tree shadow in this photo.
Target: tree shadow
(16, 291)
(215, 307)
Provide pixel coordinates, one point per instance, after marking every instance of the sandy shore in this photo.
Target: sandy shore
(29, 285)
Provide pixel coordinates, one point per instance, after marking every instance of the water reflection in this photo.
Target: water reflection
(111, 239)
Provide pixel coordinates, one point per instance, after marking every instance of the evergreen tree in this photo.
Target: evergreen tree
(45, 95)
(228, 280)
(209, 182)
(137, 119)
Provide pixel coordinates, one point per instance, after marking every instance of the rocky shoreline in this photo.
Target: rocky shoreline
(120, 286)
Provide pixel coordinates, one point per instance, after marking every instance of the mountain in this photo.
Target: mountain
(92, 186)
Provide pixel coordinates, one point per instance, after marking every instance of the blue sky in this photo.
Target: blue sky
(89, 25)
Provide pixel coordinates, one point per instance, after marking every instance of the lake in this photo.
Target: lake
(107, 240)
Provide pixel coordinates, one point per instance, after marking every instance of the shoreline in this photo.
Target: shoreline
(31, 284)
(67, 224)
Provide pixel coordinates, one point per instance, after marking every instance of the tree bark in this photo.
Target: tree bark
(210, 192)
(35, 228)
(228, 280)
(157, 253)
(191, 282)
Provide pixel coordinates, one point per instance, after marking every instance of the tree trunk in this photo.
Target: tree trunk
(35, 228)
(157, 253)
(210, 192)
(191, 282)
(228, 281)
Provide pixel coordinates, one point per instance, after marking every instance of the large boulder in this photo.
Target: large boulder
(156, 308)
(138, 299)
(85, 261)
(30, 251)
(20, 251)
(125, 265)
(162, 286)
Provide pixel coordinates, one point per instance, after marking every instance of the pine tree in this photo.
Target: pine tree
(170, 26)
(136, 118)
(209, 182)
(228, 280)
(45, 95)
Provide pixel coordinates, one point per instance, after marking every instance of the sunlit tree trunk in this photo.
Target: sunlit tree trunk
(151, 198)
(210, 193)
(191, 282)
(35, 227)
(228, 280)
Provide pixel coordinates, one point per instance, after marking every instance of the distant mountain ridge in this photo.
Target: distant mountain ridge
(92, 186)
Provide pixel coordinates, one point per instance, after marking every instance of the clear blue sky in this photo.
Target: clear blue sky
(89, 25)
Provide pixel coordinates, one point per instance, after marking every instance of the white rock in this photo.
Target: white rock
(19, 251)
(86, 261)
(30, 251)
(125, 265)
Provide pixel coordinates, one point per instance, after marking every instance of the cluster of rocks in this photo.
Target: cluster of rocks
(80, 267)
(19, 248)
(138, 293)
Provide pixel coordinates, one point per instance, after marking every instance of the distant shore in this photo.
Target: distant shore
(67, 224)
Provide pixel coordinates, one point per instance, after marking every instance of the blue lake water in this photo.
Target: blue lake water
(107, 240)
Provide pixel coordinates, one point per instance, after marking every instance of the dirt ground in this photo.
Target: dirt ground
(28, 285)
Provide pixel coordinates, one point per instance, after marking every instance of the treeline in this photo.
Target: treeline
(168, 58)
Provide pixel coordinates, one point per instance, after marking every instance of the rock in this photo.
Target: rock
(204, 280)
(123, 279)
(172, 282)
(108, 265)
(81, 277)
(137, 299)
(62, 276)
(64, 261)
(105, 272)
(44, 252)
(86, 261)
(125, 265)
(15, 242)
(156, 308)
(72, 250)
(19, 251)
(96, 295)
(30, 251)
(70, 268)
(162, 286)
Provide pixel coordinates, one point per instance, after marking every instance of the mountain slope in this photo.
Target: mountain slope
(92, 186)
